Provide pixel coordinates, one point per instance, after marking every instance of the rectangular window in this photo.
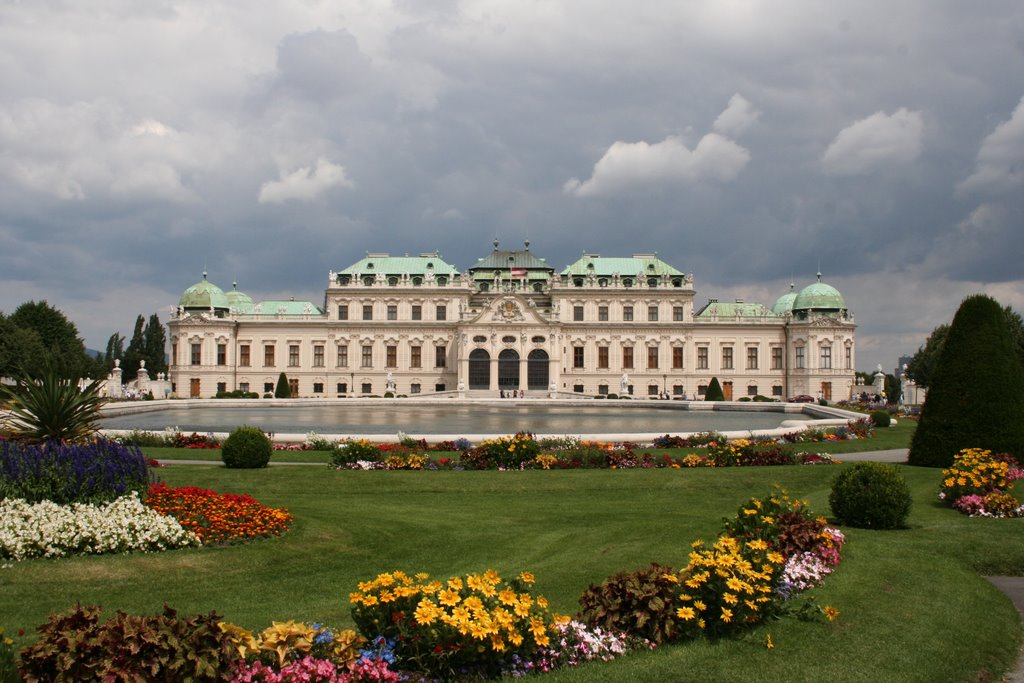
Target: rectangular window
(652, 313)
(652, 357)
(318, 387)
(751, 358)
(849, 357)
(441, 312)
(602, 357)
(577, 313)
(243, 355)
(439, 386)
(602, 389)
(342, 311)
(577, 356)
(342, 387)
(415, 356)
(415, 389)
(677, 390)
(653, 390)
(752, 390)
(627, 313)
(243, 386)
(677, 357)
(677, 313)
(392, 356)
(440, 357)
(197, 354)
(602, 313)
(776, 391)
(826, 357)
(800, 357)
(392, 312)
(222, 387)
(318, 355)
(174, 353)
(578, 388)
(343, 356)
(293, 355)
(222, 354)
(367, 388)
(727, 358)
(268, 387)
(367, 311)
(702, 358)
(417, 312)
(776, 358)
(627, 357)
(367, 360)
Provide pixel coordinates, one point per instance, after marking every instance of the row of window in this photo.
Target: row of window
(341, 361)
(391, 312)
(628, 313)
(678, 390)
(654, 358)
(318, 387)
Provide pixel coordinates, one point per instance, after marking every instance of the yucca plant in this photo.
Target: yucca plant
(49, 407)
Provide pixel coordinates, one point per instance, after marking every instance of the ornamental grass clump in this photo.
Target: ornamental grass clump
(247, 448)
(93, 472)
(464, 626)
(871, 495)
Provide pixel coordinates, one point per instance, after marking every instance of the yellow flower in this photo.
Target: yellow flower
(758, 545)
(492, 577)
(542, 602)
(455, 583)
(726, 615)
(699, 604)
(507, 597)
(686, 613)
(426, 612)
(768, 644)
(474, 582)
(729, 598)
(526, 577)
(831, 612)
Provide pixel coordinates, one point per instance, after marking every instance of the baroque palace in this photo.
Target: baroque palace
(417, 325)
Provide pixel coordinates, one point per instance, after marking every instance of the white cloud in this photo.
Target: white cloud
(878, 140)
(304, 183)
(628, 165)
(738, 116)
(1000, 163)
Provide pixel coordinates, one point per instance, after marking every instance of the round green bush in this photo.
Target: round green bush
(246, 448)
(871, 495)
(880, 418)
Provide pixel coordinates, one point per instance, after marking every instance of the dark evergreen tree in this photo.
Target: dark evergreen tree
(155, 346)
(976, 396)
(283, 389)
(714, 391)
(922, 365)
(64, 349)
(134, 354)
(115, 351)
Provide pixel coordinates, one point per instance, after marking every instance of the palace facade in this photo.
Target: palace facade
(416, 325)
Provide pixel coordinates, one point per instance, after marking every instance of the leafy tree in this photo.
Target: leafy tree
(976, 396)
(136, 348)
(154, 345)
(20, 349)
(283, 389)
(714, 391)
(59, 336)
(49, 406)
(922, 365)
(115, 351)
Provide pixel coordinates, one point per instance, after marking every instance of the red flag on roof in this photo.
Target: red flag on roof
(518, 272)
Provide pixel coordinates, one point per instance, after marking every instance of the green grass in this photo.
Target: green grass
(913, 606)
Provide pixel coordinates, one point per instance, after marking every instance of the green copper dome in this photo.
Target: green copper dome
(819, 297)
(784, 304)
(240, 302)
(204, 295)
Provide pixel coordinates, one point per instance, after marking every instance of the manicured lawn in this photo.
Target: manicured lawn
(913, 606)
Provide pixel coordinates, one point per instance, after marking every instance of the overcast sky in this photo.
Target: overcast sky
(746, 142)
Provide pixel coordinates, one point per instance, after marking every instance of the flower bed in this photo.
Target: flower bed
(46, 529)
(218, 517)
(523, 452)
(980, 484)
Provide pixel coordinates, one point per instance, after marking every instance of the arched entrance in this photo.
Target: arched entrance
(508, 369)
(479, 369)
(537, 370)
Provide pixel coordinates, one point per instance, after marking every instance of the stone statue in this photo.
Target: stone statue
(624, 384)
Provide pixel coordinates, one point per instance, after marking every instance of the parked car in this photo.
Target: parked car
(802, 398)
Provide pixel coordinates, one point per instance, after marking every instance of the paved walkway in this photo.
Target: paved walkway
(1013, 586)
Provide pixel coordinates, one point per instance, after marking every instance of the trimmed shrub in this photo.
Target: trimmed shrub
(976, 395)
(283, 389)
(714, 391)
(871, 495)
(637, 602)
(880, 418)
(76, 646)
(94, 472)
(247, 448)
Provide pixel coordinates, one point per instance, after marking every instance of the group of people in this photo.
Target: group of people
(512, 393)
